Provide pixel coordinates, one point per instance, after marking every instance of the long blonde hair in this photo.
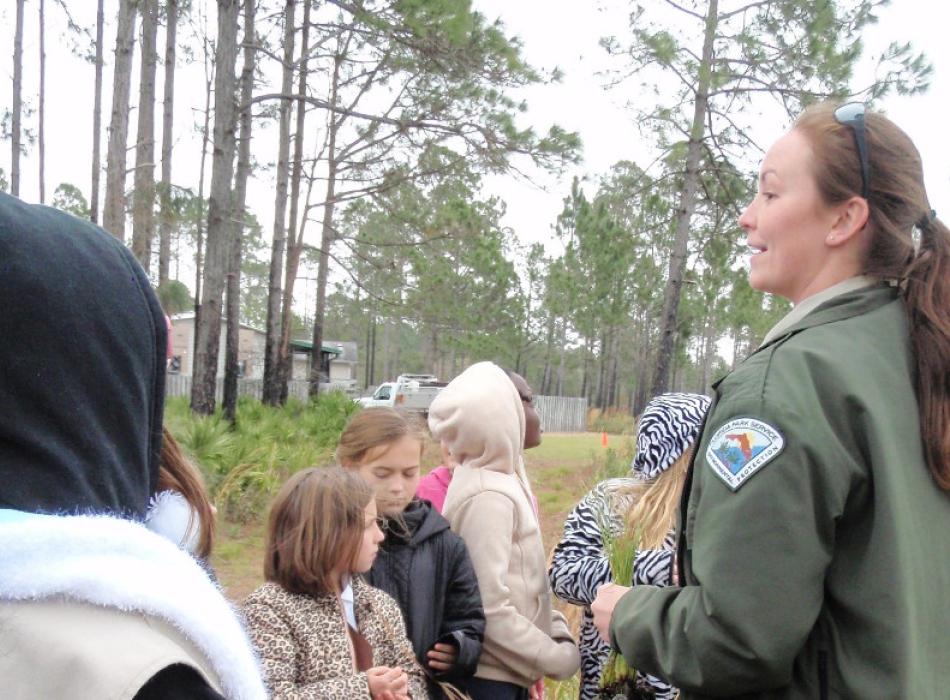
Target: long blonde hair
(655, 503)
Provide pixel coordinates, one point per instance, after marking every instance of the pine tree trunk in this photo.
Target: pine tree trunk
(709, 352)
(165, 217)
(612, 382)
(326, 239)
(387, 349)
(143, 194)
(240, 196)
(641, 394)
(41, 135)
(561, 359)
(272, 386)
(199, 223)
(687, 204)
(585, 379)
(219, 211)
(97, 115)
(113, 213)
(372, 354)
(294, 236)
(17, 115)
(602, 372)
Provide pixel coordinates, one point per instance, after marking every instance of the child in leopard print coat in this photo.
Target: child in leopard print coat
(320, 630)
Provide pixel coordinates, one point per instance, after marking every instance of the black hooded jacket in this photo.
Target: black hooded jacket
(82, 367)
(82, 381)
(426, 568)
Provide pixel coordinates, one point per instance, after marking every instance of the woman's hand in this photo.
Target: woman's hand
(442, 657)
(536, 691)
(387, 683)
(603, 607)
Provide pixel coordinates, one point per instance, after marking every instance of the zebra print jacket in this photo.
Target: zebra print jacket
(580, 565)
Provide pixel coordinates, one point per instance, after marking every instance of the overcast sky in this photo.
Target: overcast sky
(561, 33)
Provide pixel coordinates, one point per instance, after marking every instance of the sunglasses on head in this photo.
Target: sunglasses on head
(852, 115)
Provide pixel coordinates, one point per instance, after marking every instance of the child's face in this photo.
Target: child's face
(369, 545)
(532, 421)
(393, 474)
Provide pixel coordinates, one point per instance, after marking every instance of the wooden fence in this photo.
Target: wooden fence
(559, 414)
(562, 414)
(180, 385)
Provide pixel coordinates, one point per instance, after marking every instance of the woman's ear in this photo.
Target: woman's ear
(851, 219)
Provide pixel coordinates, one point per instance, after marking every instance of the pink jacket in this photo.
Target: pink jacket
(432, 486)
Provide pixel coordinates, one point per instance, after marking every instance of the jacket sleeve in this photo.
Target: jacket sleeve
(396, 649)
(755, 562)
(486, 523)
(272, 637)
(580, 565)
(463, 621)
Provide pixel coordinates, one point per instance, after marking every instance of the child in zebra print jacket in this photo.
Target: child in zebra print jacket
(646, 501)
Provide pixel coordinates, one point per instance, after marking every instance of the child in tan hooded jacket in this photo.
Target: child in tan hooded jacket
(481, 417)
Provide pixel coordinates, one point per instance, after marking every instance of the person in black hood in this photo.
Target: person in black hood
(93, 604)
(421, 563)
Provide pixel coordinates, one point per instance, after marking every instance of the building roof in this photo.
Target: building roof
(307, 346)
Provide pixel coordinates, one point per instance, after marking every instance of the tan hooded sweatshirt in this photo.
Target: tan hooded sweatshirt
(480, 417)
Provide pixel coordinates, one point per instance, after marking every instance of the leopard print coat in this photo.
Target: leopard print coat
(305, 649)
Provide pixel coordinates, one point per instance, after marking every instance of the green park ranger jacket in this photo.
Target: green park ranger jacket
(815, 548)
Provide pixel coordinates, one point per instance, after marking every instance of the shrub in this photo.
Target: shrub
(614, 421)
(245, 463)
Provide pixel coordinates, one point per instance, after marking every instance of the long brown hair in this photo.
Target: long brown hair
(655, 503)
(898, 205)
(316, 525)
(177, 473)
(373, 428)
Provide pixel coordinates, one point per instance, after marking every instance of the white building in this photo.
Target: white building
(339, 358)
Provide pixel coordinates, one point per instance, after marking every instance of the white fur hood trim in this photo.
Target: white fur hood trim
(120, 564)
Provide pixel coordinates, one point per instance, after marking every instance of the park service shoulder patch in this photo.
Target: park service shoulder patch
(742, 447)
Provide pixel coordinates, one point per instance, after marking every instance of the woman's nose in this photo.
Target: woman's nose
(746, 218)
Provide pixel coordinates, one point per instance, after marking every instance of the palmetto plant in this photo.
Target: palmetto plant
(244, 463)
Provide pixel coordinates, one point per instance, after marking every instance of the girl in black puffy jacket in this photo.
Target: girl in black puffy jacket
(421, 563)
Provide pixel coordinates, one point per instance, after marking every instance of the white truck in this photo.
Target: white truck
(411, 392)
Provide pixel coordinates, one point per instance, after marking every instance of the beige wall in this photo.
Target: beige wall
(250, 348)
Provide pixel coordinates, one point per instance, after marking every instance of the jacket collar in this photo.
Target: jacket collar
(843, 306)
(806, 306)
(119, 564)
(839, 308)
(417, 523)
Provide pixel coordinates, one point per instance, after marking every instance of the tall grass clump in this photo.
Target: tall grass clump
(246, 462)
(621, 549)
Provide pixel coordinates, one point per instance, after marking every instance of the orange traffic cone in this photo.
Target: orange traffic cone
(603, 439)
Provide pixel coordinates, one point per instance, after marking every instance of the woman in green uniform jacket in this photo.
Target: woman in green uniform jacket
(815, 530)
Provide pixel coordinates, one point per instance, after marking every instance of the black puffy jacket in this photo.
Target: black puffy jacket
(426, 568)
